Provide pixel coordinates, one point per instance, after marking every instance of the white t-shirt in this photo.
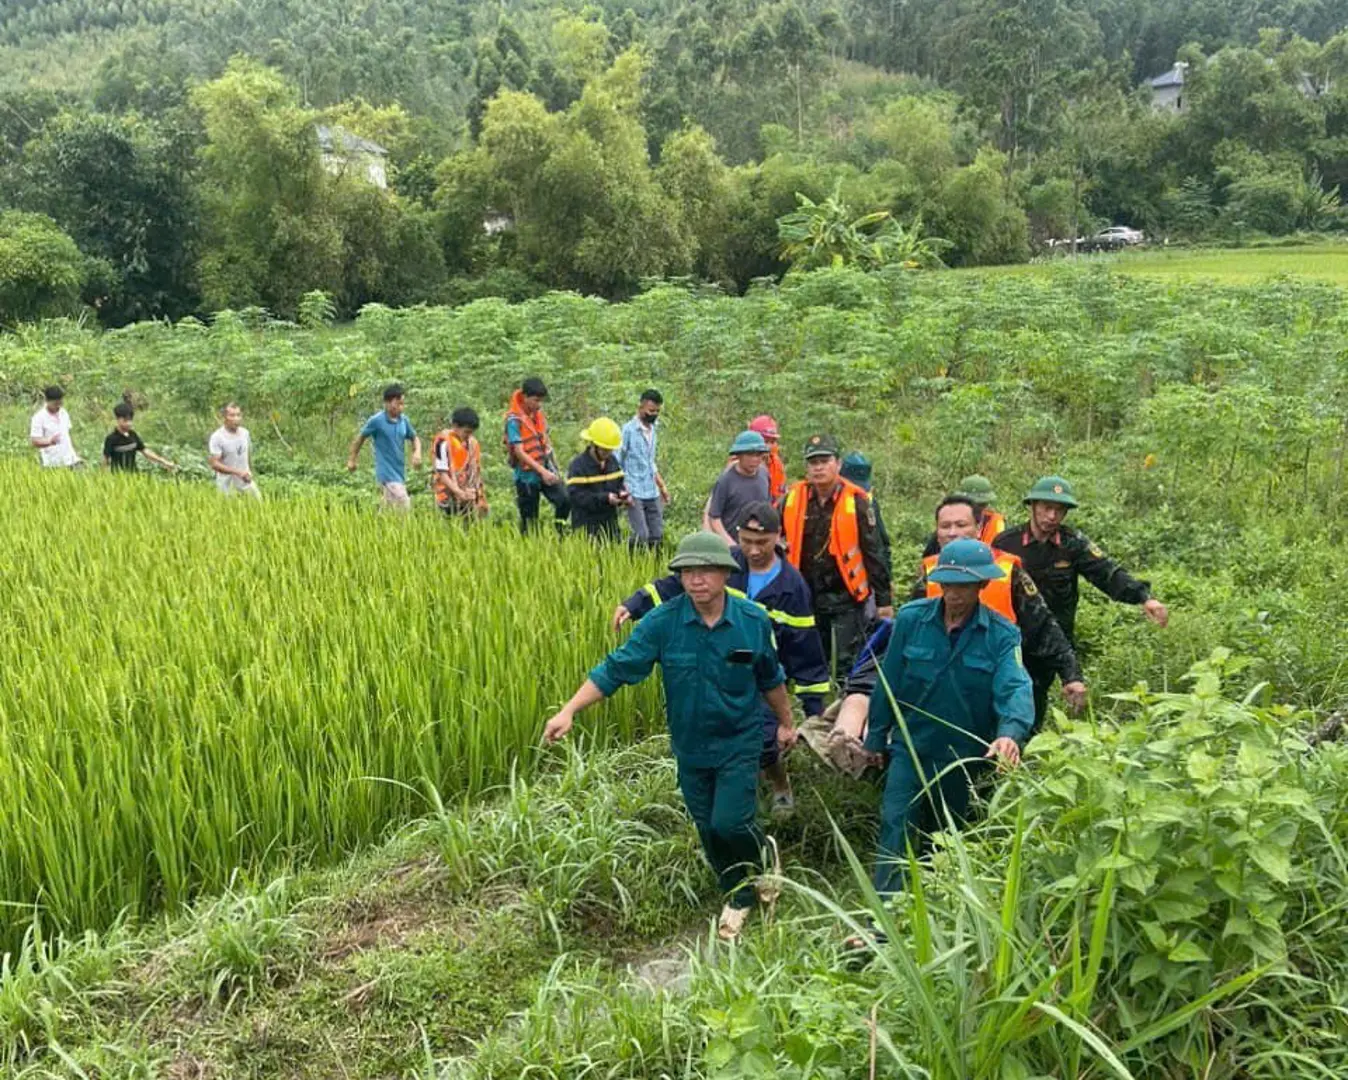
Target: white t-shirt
(233, 449)
(60, 454)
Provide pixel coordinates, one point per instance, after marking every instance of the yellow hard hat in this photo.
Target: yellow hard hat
(604, 433)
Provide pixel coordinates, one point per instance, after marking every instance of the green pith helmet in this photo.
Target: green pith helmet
(749, 442)
(965, 562)
(703, 549)
(977, 489)
(856, 467)
(1052, 489)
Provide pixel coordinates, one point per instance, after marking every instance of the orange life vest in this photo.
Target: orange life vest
(844, 537)
(993, 526)
(995, 594)
(533, 431)
(465, 462)
(776, 475)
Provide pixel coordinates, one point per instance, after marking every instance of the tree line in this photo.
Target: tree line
(591, 149)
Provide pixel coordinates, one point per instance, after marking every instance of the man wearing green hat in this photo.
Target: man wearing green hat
(954, 671)
(856, 467)
(1055, 555)
(978, 491)
(742, 484)
(719, 661)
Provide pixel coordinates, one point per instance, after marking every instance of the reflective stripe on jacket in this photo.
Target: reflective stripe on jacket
(844, 538)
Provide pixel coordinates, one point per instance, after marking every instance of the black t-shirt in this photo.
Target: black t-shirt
(121, 450)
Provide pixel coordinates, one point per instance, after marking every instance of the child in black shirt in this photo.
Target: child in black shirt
(123, 444)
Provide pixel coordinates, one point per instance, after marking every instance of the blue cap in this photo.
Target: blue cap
(749, 442)
(965, 562)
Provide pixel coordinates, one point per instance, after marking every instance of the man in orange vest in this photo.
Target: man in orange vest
(978, 490)
(1014, 597)
(832, 539)
(767, 427)
(529, 450)
(456, 459)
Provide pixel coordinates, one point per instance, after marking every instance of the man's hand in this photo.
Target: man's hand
(351, 464)
(245, 476)
(557, 727)
(54, 439)
(665, 496)
(1006, 750)
(1074, 693)
(886, 612)
(620, 616)
(614, 499)
(416, 459)
(1156, 612)
(549, 478)
(787, 736)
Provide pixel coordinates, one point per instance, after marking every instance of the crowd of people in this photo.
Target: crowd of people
(787, 585)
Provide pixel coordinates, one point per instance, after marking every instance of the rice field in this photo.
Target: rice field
(196, 684)
(1230, 266)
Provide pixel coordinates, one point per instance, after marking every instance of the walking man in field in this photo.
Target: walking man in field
(123, 444)
(978, 490)
(765, 577)
(744, 483)
(390, 430)
(832, 538)
(1012, 596)
(953, 670)
(636, 457)
(594, 482)
(766, 426)
(456, 461)
(49, 432)
(1055, 556)
(719, 662)
(529, 448)
(230, 451)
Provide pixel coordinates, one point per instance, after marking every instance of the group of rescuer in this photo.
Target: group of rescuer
(792, 587)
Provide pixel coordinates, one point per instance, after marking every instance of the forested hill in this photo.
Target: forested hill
(423, 53)
(158, 157)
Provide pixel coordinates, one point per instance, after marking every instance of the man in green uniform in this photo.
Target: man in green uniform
(1055, 555)
(717, 655)
(953, 669)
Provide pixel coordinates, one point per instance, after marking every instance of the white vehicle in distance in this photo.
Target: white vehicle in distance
(1116, 236)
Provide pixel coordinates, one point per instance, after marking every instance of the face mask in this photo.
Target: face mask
(648, 420)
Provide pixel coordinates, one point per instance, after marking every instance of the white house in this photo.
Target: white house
(1167, 91)
(347, 154)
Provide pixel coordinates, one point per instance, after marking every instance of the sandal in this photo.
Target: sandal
(731, 924)
(768, 887)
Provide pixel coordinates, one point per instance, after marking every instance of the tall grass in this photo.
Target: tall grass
(195, 684)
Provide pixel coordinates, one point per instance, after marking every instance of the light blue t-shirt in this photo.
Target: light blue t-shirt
(388, 437)
(759, 582)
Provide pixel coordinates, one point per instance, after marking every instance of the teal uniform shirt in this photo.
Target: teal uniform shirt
(714, 676)
(972, 682)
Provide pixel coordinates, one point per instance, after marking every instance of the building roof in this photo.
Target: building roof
(328, 137)
(1173, 77)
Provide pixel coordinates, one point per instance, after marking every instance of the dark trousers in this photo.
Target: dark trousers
(527, 496)
(908, 811)
(843, 636)
(1041, 679)
(722, 800)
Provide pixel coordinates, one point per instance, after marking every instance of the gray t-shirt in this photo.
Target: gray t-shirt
(232, 448)
(733, 493)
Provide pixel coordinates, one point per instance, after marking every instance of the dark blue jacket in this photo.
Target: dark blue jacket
(788, 603)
